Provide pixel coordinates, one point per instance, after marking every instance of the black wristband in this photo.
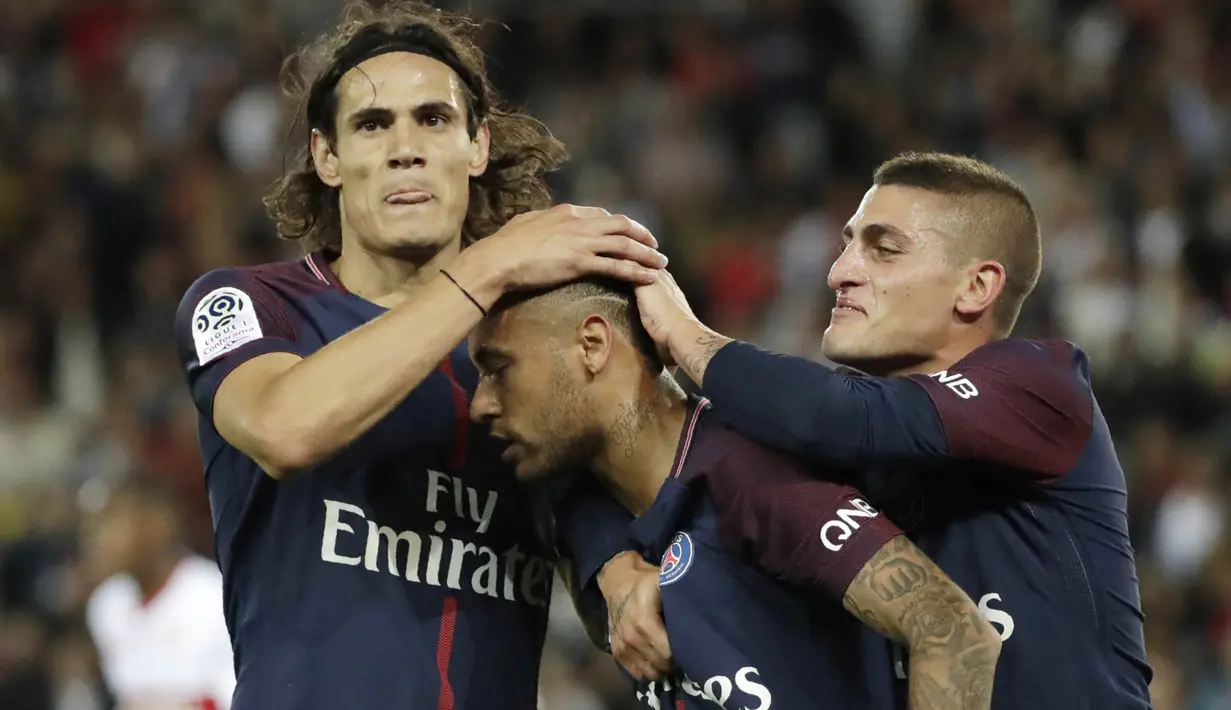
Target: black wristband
(464, 292)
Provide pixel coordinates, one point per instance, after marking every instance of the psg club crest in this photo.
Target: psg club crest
(676, 560)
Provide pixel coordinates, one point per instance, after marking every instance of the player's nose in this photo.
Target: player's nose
(484, 408)
(405, 147)
(847, 270)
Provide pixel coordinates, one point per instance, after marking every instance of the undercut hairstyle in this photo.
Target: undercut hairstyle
(613, 299)
(998, 221)
(523, 151)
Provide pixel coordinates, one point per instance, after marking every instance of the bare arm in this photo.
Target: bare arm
(953, 649)
(288, 412)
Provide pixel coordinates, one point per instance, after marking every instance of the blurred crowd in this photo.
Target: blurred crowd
(136, 137)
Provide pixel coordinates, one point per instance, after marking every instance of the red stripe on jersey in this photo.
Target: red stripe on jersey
(461, 417)
(692, 428)
(444, 650)
(311, 261)
(679, 705)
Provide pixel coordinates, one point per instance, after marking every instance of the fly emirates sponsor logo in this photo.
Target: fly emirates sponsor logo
(435, 559)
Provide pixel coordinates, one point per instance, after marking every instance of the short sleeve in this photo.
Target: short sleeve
(225, 319)
(1022, 403)
(791, 522)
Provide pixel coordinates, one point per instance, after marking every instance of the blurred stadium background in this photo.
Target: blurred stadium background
(136, 137)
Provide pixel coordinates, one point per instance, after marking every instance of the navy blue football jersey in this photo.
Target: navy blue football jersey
(404, 573)
(1002, 470)
(756, 555)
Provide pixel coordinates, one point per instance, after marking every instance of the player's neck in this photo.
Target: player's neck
(643, 433)
(942, 359)
(387, 279)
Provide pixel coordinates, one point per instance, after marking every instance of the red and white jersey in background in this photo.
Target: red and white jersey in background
(170, 652)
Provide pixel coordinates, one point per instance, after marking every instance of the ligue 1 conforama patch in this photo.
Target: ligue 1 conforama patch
(222, 321)
(676, 560)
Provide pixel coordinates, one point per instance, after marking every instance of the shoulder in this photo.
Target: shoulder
(110, 601)
(228, 307)
(736, 468)
(284, 280)
(1027, 362)
(197, 585)
(1025, 403)
(1021, 370)
(200, 573)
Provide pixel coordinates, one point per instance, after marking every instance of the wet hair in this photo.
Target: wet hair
(998, 219)
(523, 151)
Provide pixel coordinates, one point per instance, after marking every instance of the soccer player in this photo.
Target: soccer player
(758, 557)
(155, 619)
(991, 450)
(375, 553)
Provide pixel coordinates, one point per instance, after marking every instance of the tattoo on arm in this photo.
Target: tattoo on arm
(703, 350)
(953, 649)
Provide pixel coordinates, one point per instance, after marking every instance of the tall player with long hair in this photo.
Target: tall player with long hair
(375, 551)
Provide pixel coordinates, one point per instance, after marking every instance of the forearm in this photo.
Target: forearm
(953, 679)
(808, 409)
(694, 349)
(325, 401)
(953, 650)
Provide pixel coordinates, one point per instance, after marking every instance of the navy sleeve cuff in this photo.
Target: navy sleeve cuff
(595, 529)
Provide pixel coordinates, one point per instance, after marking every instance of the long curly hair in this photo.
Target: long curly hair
(523, 151)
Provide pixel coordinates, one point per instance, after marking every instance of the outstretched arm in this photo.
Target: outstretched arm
(1020, 403)
(902, 594)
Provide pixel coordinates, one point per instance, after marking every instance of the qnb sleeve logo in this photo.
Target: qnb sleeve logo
(676, 560)
(956, 381)
(222, 321)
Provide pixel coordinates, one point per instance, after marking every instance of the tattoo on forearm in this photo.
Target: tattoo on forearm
(704, 349)
(953, 650)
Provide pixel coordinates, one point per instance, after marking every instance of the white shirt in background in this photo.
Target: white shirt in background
(171, 652)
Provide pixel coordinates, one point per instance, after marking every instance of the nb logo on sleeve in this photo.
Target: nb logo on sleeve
(836, 532)
(957, 382)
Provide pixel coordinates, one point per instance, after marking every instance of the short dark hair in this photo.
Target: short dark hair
(1003, 224)
(523, 151)
(612, 298)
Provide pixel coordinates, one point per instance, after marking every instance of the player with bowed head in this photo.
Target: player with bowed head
(990, 450)
(756, 570)
(374, 550)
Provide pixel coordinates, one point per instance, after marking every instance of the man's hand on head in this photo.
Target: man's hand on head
(682, 339)
(549, 247)
(635, 625)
